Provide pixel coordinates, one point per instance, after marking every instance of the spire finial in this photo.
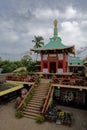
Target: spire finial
(55, 28)
(55, 23)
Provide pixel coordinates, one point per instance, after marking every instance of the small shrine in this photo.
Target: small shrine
(54, 55)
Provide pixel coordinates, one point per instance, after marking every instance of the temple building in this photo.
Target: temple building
(54, 55)
(85, 66)
(59, 63)
(76, 65)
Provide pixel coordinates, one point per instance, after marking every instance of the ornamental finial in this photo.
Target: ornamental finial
(55, 28)
(55, 23)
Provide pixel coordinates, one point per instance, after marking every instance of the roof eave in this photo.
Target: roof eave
(39, 49)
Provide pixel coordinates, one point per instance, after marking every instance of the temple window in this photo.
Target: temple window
(45, 65)
(60, 56)
(45, 57)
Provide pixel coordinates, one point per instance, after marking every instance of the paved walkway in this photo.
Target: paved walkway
(9, 122)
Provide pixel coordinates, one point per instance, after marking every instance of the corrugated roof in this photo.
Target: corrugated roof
(75, 61)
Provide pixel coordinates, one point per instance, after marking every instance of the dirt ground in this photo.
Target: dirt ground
(8, 121)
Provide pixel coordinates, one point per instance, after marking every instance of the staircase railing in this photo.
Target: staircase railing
(20, 105)
(46, 100)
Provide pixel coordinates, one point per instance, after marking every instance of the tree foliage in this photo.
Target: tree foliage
(26, 61)
(32, 66)
(38, 40)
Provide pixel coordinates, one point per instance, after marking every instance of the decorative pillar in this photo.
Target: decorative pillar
(64, 62)
(48, 63)
(41, 62)
(56, 66)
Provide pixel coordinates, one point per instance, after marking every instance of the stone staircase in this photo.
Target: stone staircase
(33, 107)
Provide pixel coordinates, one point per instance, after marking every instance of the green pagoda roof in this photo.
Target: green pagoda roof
(55, 43)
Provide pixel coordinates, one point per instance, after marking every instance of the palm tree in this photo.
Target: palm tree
(38, 40)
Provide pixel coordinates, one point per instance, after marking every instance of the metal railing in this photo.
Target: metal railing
(46, 100)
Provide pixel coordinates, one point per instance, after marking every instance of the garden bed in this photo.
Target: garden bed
(58, 116)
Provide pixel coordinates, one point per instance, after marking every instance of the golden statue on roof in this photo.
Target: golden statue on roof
(55, 23)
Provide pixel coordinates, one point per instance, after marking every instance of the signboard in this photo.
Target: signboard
(45, 70)
(52, 58)
(52, 55)
(60, 71)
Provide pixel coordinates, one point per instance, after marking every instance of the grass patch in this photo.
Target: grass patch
(19, 114)
(40, 118)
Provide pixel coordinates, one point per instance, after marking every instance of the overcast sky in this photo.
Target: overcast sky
(20, 20)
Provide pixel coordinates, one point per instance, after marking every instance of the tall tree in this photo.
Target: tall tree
(26, 60)
(38, 40)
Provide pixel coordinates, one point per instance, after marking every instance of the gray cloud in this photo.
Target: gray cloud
(20, 20)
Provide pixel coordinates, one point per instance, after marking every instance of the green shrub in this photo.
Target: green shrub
(38, 81)
(32, 92)
(49, 84)
(19, 114)
(24, 104)
(40, 76)
(61, 114)
(40, 118)
(28, 98)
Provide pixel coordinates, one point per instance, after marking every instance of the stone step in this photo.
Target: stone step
(42, 87)
(41, 90)
(36, 100)
(30, 116)
(33, 108)
(46, 81)
(29, 109)
(40, 93)
(39, 96)
(36, 103)
(33, 105)
(31, 113)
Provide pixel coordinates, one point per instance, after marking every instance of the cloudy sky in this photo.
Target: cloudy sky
(21, 20)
